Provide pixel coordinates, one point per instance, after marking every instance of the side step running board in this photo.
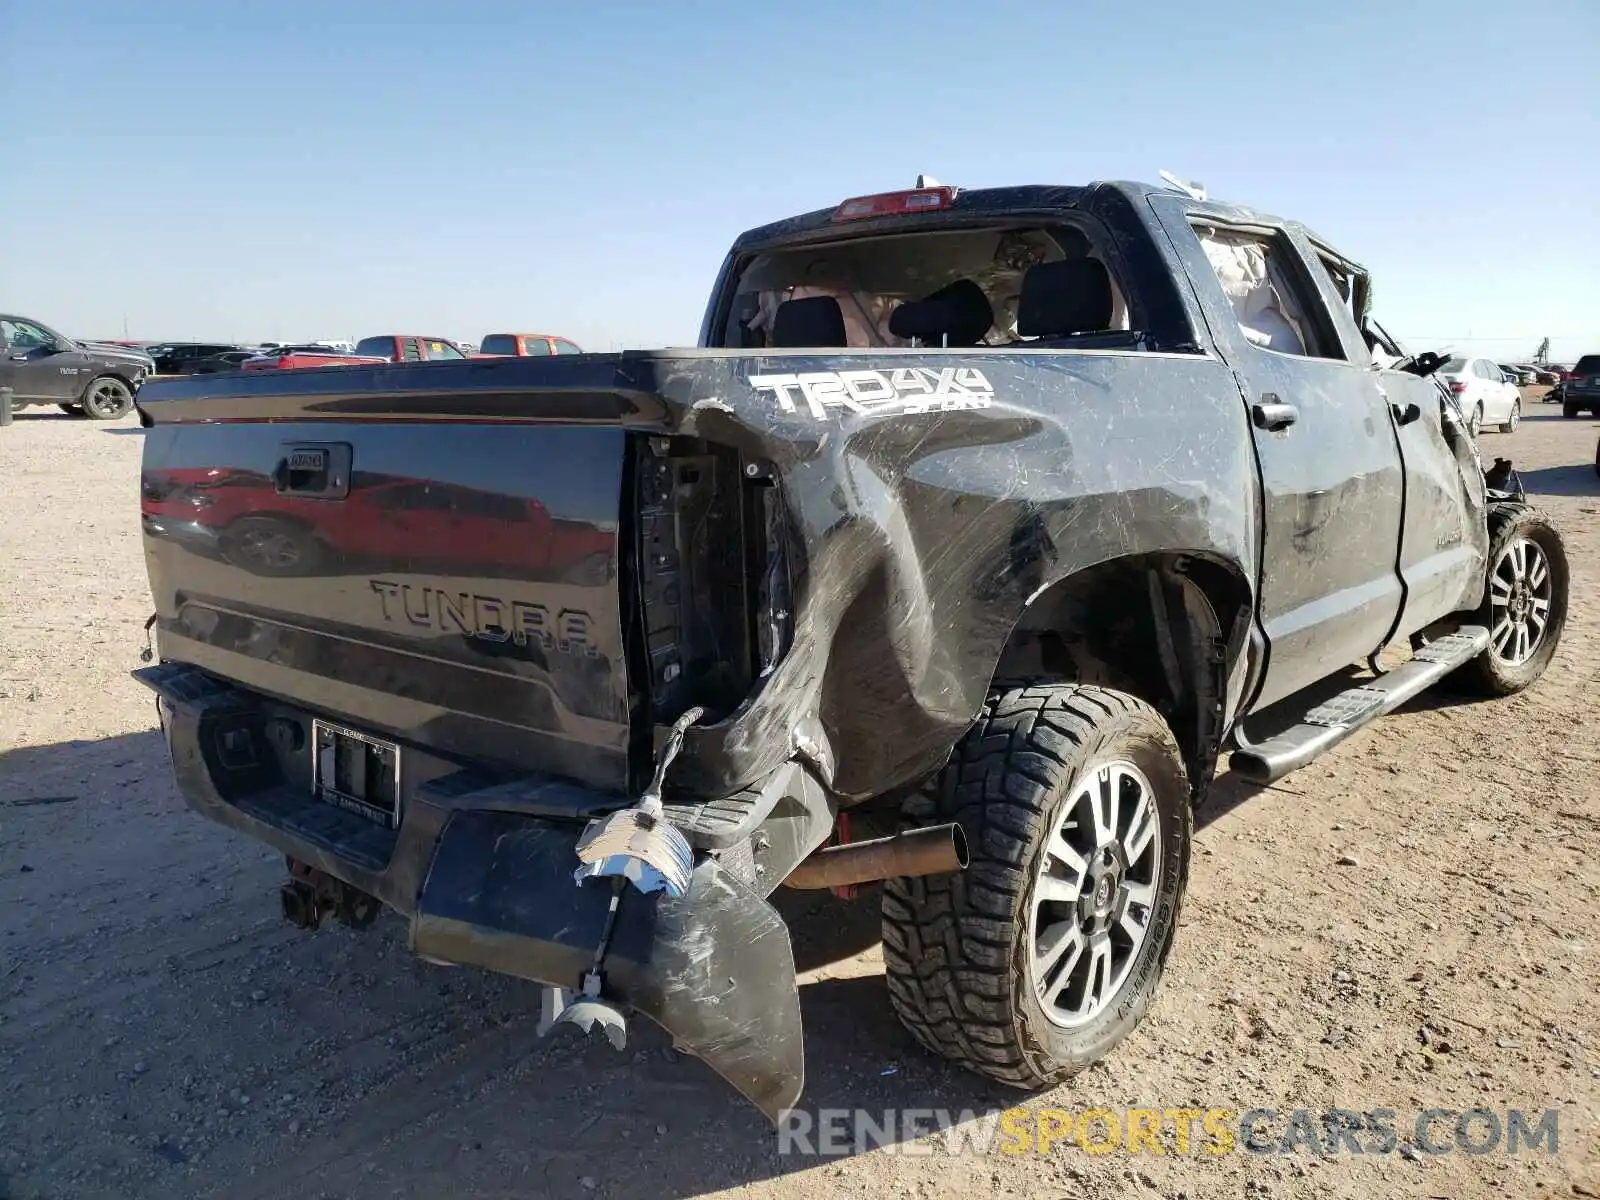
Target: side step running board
(1325, 726)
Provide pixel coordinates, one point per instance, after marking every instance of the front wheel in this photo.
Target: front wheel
(1514, 419)
(1046, 952)
(107, 399)
(1525, 604)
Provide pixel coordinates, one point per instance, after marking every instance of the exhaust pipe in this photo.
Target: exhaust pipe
(938, 850)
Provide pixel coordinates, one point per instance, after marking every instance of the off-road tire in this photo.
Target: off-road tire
(1487, 674)
(1512, 421)
(107, 399)
(956, 946)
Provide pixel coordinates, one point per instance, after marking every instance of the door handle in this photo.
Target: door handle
(1273, 416)
(1406, 415)
(19, 358)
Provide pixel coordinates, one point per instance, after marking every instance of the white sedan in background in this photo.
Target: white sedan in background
(1486, 394)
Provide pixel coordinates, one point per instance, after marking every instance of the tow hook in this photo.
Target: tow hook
(310, 895)
(634, 846)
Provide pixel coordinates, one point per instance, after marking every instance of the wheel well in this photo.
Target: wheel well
(1169, 628)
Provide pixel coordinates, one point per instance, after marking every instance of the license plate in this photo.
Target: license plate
(356, 772)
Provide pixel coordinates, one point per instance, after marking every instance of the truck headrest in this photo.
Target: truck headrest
(1061, 298)
(959, 312)
(813, 321)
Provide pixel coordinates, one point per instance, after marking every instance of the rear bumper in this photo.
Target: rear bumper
(485, 876)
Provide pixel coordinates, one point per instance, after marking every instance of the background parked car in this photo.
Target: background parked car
(1580, 391)
(176, 358)
(1486, 395)
(406, 347)
(1520, 376)
(290, 358)
(42, 366)
(215, 364)
(524, 345)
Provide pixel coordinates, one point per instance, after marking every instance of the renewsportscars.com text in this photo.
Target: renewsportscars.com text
(1325, 1133)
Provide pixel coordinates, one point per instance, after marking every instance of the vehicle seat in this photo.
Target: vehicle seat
(813, 321)
(1064, 298)
(958, 314)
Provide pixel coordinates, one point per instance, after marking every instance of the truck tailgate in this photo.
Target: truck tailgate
(450, 583)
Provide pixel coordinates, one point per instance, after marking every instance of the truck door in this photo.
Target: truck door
(1444, 548)
(1444, 540)
(43, 368)
(1331, 478)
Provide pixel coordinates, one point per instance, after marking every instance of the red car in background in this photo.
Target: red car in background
(386, 347)
(524, 345)
(241, 517)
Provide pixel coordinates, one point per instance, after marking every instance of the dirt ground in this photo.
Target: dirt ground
(1408, 923)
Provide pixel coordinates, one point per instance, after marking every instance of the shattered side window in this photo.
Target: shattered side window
(1272, 311)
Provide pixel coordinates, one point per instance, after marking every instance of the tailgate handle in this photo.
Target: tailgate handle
(316, 469)
(1273, 416)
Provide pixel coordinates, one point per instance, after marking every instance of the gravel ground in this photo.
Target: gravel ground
(1408, 923)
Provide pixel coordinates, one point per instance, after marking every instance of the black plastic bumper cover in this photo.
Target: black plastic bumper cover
(493, 889)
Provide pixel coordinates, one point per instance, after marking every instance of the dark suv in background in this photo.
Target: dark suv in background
(1581, 388)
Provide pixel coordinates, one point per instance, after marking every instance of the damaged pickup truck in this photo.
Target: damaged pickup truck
(977, 528)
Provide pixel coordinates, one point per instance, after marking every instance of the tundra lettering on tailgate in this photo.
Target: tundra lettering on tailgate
(907, 390)
(520, 622)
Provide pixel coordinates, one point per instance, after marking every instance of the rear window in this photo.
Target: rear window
(375, 347)
(1456, 366)
(1589, 364)
(869, 278)
(498, 343)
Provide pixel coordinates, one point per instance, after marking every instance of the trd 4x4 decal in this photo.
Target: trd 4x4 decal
(909, 390)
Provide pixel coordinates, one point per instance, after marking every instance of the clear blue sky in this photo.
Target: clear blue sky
(292, 170)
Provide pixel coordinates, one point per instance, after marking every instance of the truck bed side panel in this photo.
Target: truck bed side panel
(928, 495)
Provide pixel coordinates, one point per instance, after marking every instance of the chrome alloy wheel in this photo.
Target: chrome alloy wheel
(1094, 894)
(1520, 588)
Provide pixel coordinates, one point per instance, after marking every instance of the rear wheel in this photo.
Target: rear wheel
(1046, 952)
(1514, 419)
(1525, 604)
(107, 399)
(1475, 421)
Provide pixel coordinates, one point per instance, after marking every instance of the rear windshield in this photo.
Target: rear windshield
(1456, 366)
(375, 347)
(870, 277)
(498, 343)
(1589, 364)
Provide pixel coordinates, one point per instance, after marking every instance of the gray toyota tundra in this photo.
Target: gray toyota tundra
(977, 527)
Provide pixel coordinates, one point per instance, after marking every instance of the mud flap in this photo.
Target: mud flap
(714, 968)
